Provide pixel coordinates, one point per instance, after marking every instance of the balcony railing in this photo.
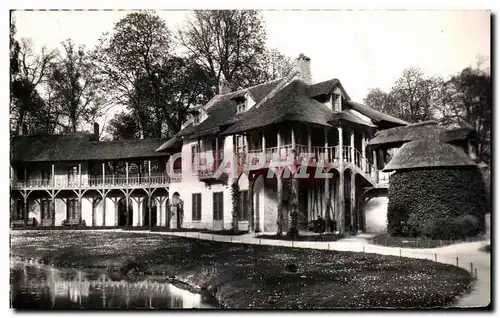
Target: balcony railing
(99, 181)
(327, 155)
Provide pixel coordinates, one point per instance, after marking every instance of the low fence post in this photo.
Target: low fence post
(399, 252)
(471, 268)
(363, 248)
(457, 261)
(475, 272)
(328, 246)
(212, 238)
(435, 257)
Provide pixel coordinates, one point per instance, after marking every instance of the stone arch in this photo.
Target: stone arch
(373, 210)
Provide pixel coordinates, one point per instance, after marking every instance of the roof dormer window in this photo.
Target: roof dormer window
(196, 119)
(241, 107)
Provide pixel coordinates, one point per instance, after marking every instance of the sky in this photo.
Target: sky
(363, 49)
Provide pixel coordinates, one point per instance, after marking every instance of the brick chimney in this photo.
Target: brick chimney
(96, 130)
(224, 85)
(303, 66)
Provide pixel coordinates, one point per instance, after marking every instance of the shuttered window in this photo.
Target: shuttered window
(196, 207)
(243, 213)
(218, 205)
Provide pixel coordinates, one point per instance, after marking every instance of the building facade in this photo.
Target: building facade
(267, 158)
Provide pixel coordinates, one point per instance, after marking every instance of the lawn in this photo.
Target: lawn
(254, 276)
(414, 242)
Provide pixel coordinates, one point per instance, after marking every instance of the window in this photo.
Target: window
(45, 209)
(218, 206)
(337, 102)
(196, 205)
(72, 209)
(243, 213)
(241, 107)
(195, 150)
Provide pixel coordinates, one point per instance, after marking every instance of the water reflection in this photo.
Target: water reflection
(44, 287)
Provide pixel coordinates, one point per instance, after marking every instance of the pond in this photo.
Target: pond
(36, 286)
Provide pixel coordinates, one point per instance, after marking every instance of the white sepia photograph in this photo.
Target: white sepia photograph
(250, 159)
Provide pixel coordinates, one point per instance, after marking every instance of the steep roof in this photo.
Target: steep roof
(325, 88)
(380, 119)
(428, 130)
(395, 137)
(222, 108)
(50, 148)
(347, 116)
(428, 154)
(292, 103)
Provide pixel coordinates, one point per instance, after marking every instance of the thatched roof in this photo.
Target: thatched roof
(428, 154)
(292, 103)
(395, 137)
(380, 119)
(429, 130)
(325, 88)
(222, 108)
(349, 117)
(50, 148)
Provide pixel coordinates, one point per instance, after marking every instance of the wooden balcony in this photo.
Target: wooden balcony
(99, 182)
(316, 155)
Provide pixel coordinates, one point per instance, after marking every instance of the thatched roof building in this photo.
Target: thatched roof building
(429, 130)
(420, 154)
(80, 147)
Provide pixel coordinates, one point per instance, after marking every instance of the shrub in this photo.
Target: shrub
(437, 203)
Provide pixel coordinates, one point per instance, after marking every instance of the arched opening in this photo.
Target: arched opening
(147, 214)
(177, 212)
(125, 217)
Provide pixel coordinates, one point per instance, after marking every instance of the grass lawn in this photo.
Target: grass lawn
(254, 276)
(304, 237)
(413, 242)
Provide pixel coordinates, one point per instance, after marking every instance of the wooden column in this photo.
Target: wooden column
(103, 174)
(278, 144)
(353, 153)
(353, 199)
(149, 170)
(25, 210)
(53, 175)
(126, 174)
(79, 176)
(216, 155)
(375, 164)
(340, 192)
(325, 133)
(104, 209)
(263, 148)
(149, 211)
(363, 151)
(26, 174)
(341, 144)
(53, 209)
(126, 207)
(279, 190)
(309, 142)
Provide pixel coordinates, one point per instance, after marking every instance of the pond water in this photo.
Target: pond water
(45, 287)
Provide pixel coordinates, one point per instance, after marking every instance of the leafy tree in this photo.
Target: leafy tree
(123, 126)
(273, 65)
(76, 88)
(229, 44)
(28, 73)
(129, 55)
(469, 102)
(413, 97)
